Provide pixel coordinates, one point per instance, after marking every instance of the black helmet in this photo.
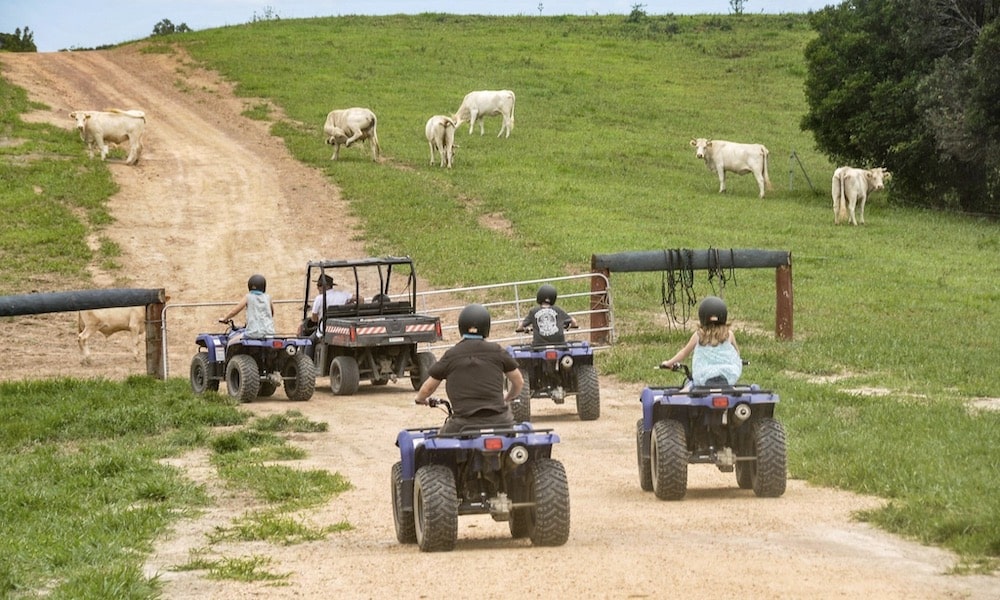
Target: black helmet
(546, 293)
(712, 310)
(257, 282)
(474, 319)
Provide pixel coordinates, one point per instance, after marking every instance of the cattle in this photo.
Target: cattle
(721, 156)
(99, 127)
(487, 103)
(345, 126)
(108, 321)
(440, 131)
(850, 188)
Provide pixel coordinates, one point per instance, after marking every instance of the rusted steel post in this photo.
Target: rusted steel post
(783, 308)
(154, 340)
(598, 306)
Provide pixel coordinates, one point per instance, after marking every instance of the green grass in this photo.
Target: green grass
(599, 162)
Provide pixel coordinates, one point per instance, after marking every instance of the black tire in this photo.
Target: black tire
(645, 464)
(242, 378)
(425, 360)
(769, 470)
(300, 377)
(522, 407)
(201, 379)
(267, 389)
(344, 376)
(588, 392)
(669, 459)
(406, 532)
(550, 492)
(435, 508)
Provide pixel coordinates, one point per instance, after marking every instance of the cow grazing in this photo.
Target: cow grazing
(346, 126)
(721, 156)
(850, 188)
(486, 103)
(108, 321)
(99, 127)
(440, 131)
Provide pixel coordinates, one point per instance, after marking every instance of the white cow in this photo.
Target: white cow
(98, 127)
(346, 126)
(850, 188)
(486, 103)
(440, 132)
(721, 156)
(109, 321)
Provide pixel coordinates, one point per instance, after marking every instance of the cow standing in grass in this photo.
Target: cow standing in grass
(440, 132)
(850, 188)
(486, 103)
(721, 156)
(346, 126)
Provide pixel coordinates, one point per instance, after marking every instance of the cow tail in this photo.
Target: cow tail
(767, 179)
(843, 198)
(377, 149)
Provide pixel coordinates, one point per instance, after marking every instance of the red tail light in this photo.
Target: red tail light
(493, 443)
(720, 402)
(354, 334)
(437, 328)
(277, 343)
(551, 355)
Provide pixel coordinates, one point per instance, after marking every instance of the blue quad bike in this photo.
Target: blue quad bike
(556, 371)
(505, 472)
(731, 427)
(253, 367)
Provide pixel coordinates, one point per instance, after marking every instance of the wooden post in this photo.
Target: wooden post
(598, 307)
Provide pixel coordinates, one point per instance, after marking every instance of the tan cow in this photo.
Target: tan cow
(345, 126)
(440, 132)
(850, 188)
(109, 321)
(721, 156)
(99, 127)
(486, 103)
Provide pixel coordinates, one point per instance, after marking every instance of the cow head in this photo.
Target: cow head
(81, 117)
(337, 137)
(700, 145)
(877, 178)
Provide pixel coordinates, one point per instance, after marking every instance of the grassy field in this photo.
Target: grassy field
(599, 162)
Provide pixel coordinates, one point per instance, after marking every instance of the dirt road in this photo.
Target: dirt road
(191, 218)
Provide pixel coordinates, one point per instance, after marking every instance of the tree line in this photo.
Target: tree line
(912, 85)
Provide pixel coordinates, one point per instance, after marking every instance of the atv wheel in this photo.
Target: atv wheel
(642, 457)
(435, 508)
(522, 406)
(201, 380)
(550, 493)
(242, 378)
(344, 376)
(769, 474)
(669, 459)
(403, 519)
(588, 393)
(267, 389)
(300, 377)
(425, 360)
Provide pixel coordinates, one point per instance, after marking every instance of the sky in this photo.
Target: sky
(67, 24)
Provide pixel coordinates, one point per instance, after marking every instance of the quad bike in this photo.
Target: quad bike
(731, 427)
(253, 367)
(556, 371)
(505, 472)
